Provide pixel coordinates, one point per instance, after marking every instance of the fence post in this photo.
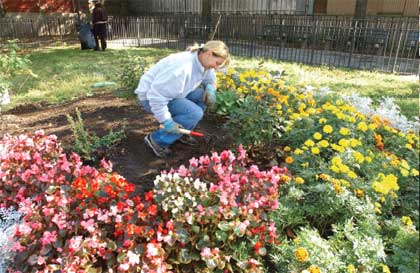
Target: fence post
(353, 42)
(398, 48)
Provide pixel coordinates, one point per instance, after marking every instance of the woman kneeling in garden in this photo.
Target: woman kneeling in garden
(177, 91)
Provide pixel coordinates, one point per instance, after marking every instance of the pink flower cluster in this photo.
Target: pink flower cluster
(76, 217)
(217, 204)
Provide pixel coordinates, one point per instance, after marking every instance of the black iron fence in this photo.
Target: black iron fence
(375, 43)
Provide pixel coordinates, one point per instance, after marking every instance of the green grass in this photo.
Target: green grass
(65, 73)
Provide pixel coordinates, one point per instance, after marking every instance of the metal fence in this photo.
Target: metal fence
(375, 43)
(220, 6)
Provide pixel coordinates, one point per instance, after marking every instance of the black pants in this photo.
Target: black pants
(99, 32)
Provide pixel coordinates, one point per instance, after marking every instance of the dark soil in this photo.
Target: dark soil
(104, 111)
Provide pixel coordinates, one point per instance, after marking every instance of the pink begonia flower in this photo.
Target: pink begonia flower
(193, 162)
(182, 171)
(88, 225)
(47, 211)
(133, 258)
(17, 247)
(206, 253)
(75, 243)
(23, 229)
(48, 238)
(63, 201)
(60, 220)
(204, 160)
(215, 158)
(107, 165)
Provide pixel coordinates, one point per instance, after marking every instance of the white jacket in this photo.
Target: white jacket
(172, 77)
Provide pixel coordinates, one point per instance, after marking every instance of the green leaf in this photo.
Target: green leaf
(223, 226)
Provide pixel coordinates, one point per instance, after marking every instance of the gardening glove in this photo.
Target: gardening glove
(209, 97)
(172, 127)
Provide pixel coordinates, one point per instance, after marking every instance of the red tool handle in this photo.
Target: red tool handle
(191, 133)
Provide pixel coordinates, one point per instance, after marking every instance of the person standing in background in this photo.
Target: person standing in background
(99, 20)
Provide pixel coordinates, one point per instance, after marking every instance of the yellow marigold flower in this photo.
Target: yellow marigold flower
(289, 160)
(344, 168)
(352, 119)
(314, 269)
(299, 180)
(336, 160)
(315, 150)
(322, 120)
(328, 129)
(385, 269)
(291, 89)
(294, 116)
(286, 149)
(385, 184)
(338, 148)
(359, 193)
(344, 131)
(301, 254)
(298, 151)
(285, 178)
(338, 189)
(394, 163)
(323, 143)
(345, 183)
(368, 159)
(309, 143)
(404, 172)
(414, 172)
(372, 126)
(362, 126)
(335, 169)
(324, 176)
(351, 269)
(358, 157)
(344, 142)
(406, 220)
(317, 136)
(352, 175)
(355, 142)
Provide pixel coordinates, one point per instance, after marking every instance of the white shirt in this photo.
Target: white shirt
(172, 77)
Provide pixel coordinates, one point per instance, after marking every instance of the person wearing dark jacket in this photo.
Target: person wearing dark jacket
(99, 20)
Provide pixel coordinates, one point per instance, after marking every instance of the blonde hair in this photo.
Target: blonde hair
(218, 48)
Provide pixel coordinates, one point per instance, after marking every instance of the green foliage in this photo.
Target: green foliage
(227, 102)
(404, 245)
(133, 69)
(254, 123)
(86, 144)
(12, 63)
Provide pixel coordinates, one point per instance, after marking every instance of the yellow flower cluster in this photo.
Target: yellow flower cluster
(385, 183)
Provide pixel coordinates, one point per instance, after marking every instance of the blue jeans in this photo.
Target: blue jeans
(187, 112)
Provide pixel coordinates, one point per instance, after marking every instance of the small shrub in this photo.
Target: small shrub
(86, 144)
(133, 69)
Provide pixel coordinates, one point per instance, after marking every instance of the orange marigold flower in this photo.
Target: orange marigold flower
(289, 160)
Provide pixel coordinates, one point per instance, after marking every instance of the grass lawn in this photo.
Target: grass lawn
(65, 73)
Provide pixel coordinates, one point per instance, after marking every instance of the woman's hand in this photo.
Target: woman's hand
(209, 96)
